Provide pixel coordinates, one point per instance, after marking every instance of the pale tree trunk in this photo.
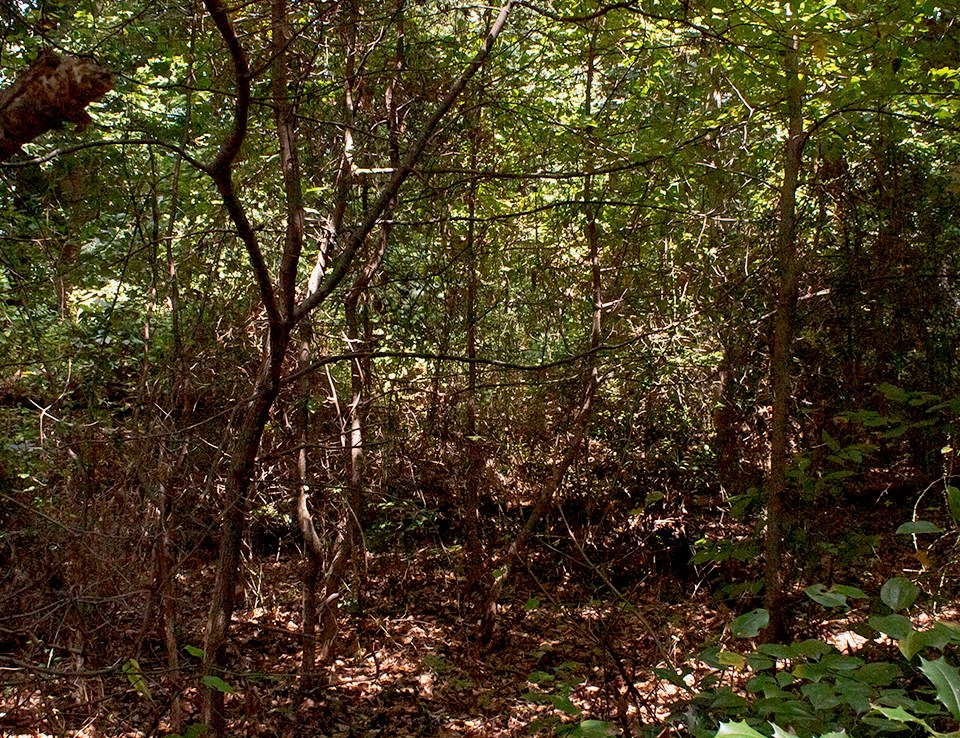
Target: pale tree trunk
(782, 349)
(581, 414)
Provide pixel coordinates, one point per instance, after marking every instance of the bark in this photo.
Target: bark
(239, 478)
(782, 349)
(54, 90)
(475, 461)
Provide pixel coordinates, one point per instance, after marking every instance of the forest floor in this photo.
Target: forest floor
(407, 660)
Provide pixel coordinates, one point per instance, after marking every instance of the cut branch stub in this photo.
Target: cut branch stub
(53, 91)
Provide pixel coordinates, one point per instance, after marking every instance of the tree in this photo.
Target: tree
(279, 300)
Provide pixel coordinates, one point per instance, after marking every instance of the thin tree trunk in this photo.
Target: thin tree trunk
(475, 460)
(782, 349)
(239, 478)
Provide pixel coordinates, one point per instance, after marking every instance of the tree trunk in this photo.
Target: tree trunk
(240, 475)
(282, 311)
(778, 628)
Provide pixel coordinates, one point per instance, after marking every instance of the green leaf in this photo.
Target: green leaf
(900, 715)
(532, 604)
(777, 651)
(953, 502)
(826, 597)
(899, 593)
(895, 626)
(813, 648)
(195, 730)
(563, 703)
(594, 729)
(750, 624)
(134, 674)
(673, 676)
(731, 658)
(759, 662)
(892, 392)
(918, 526)
(941, 634)
(215, 682)
(877, 673)
(946, 679)
(911, 645)
(822, 696)
(194, 651)
(737, 730)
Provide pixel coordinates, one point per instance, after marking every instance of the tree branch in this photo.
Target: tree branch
(341, 264)
(222, 168)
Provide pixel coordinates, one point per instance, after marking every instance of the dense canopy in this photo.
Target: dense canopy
(420, 368)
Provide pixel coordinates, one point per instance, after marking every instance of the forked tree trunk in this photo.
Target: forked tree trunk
(279, 303)
(239, 478)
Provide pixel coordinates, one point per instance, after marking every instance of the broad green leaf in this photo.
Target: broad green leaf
(750, 624)
(855, 693)
(899, 593)
(539, 677)
(811, 671)
(194, 651)
(942, 633)
(877, 673)
(813, 648)
(918, 526)
(946, 679)
(737, 730)
(892, 392)
(759, 662)
(134, 674)
(777, 651)
(821, 695)
(841, 662)
(895, 626)
(563, 703)
(911, 645)
(215, 682)
(673, 676)
(532, 604)
(731, 658)
(826, 597)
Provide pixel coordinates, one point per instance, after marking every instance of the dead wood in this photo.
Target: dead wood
(54, 90)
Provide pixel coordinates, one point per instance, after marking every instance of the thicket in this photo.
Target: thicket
(549, 354)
